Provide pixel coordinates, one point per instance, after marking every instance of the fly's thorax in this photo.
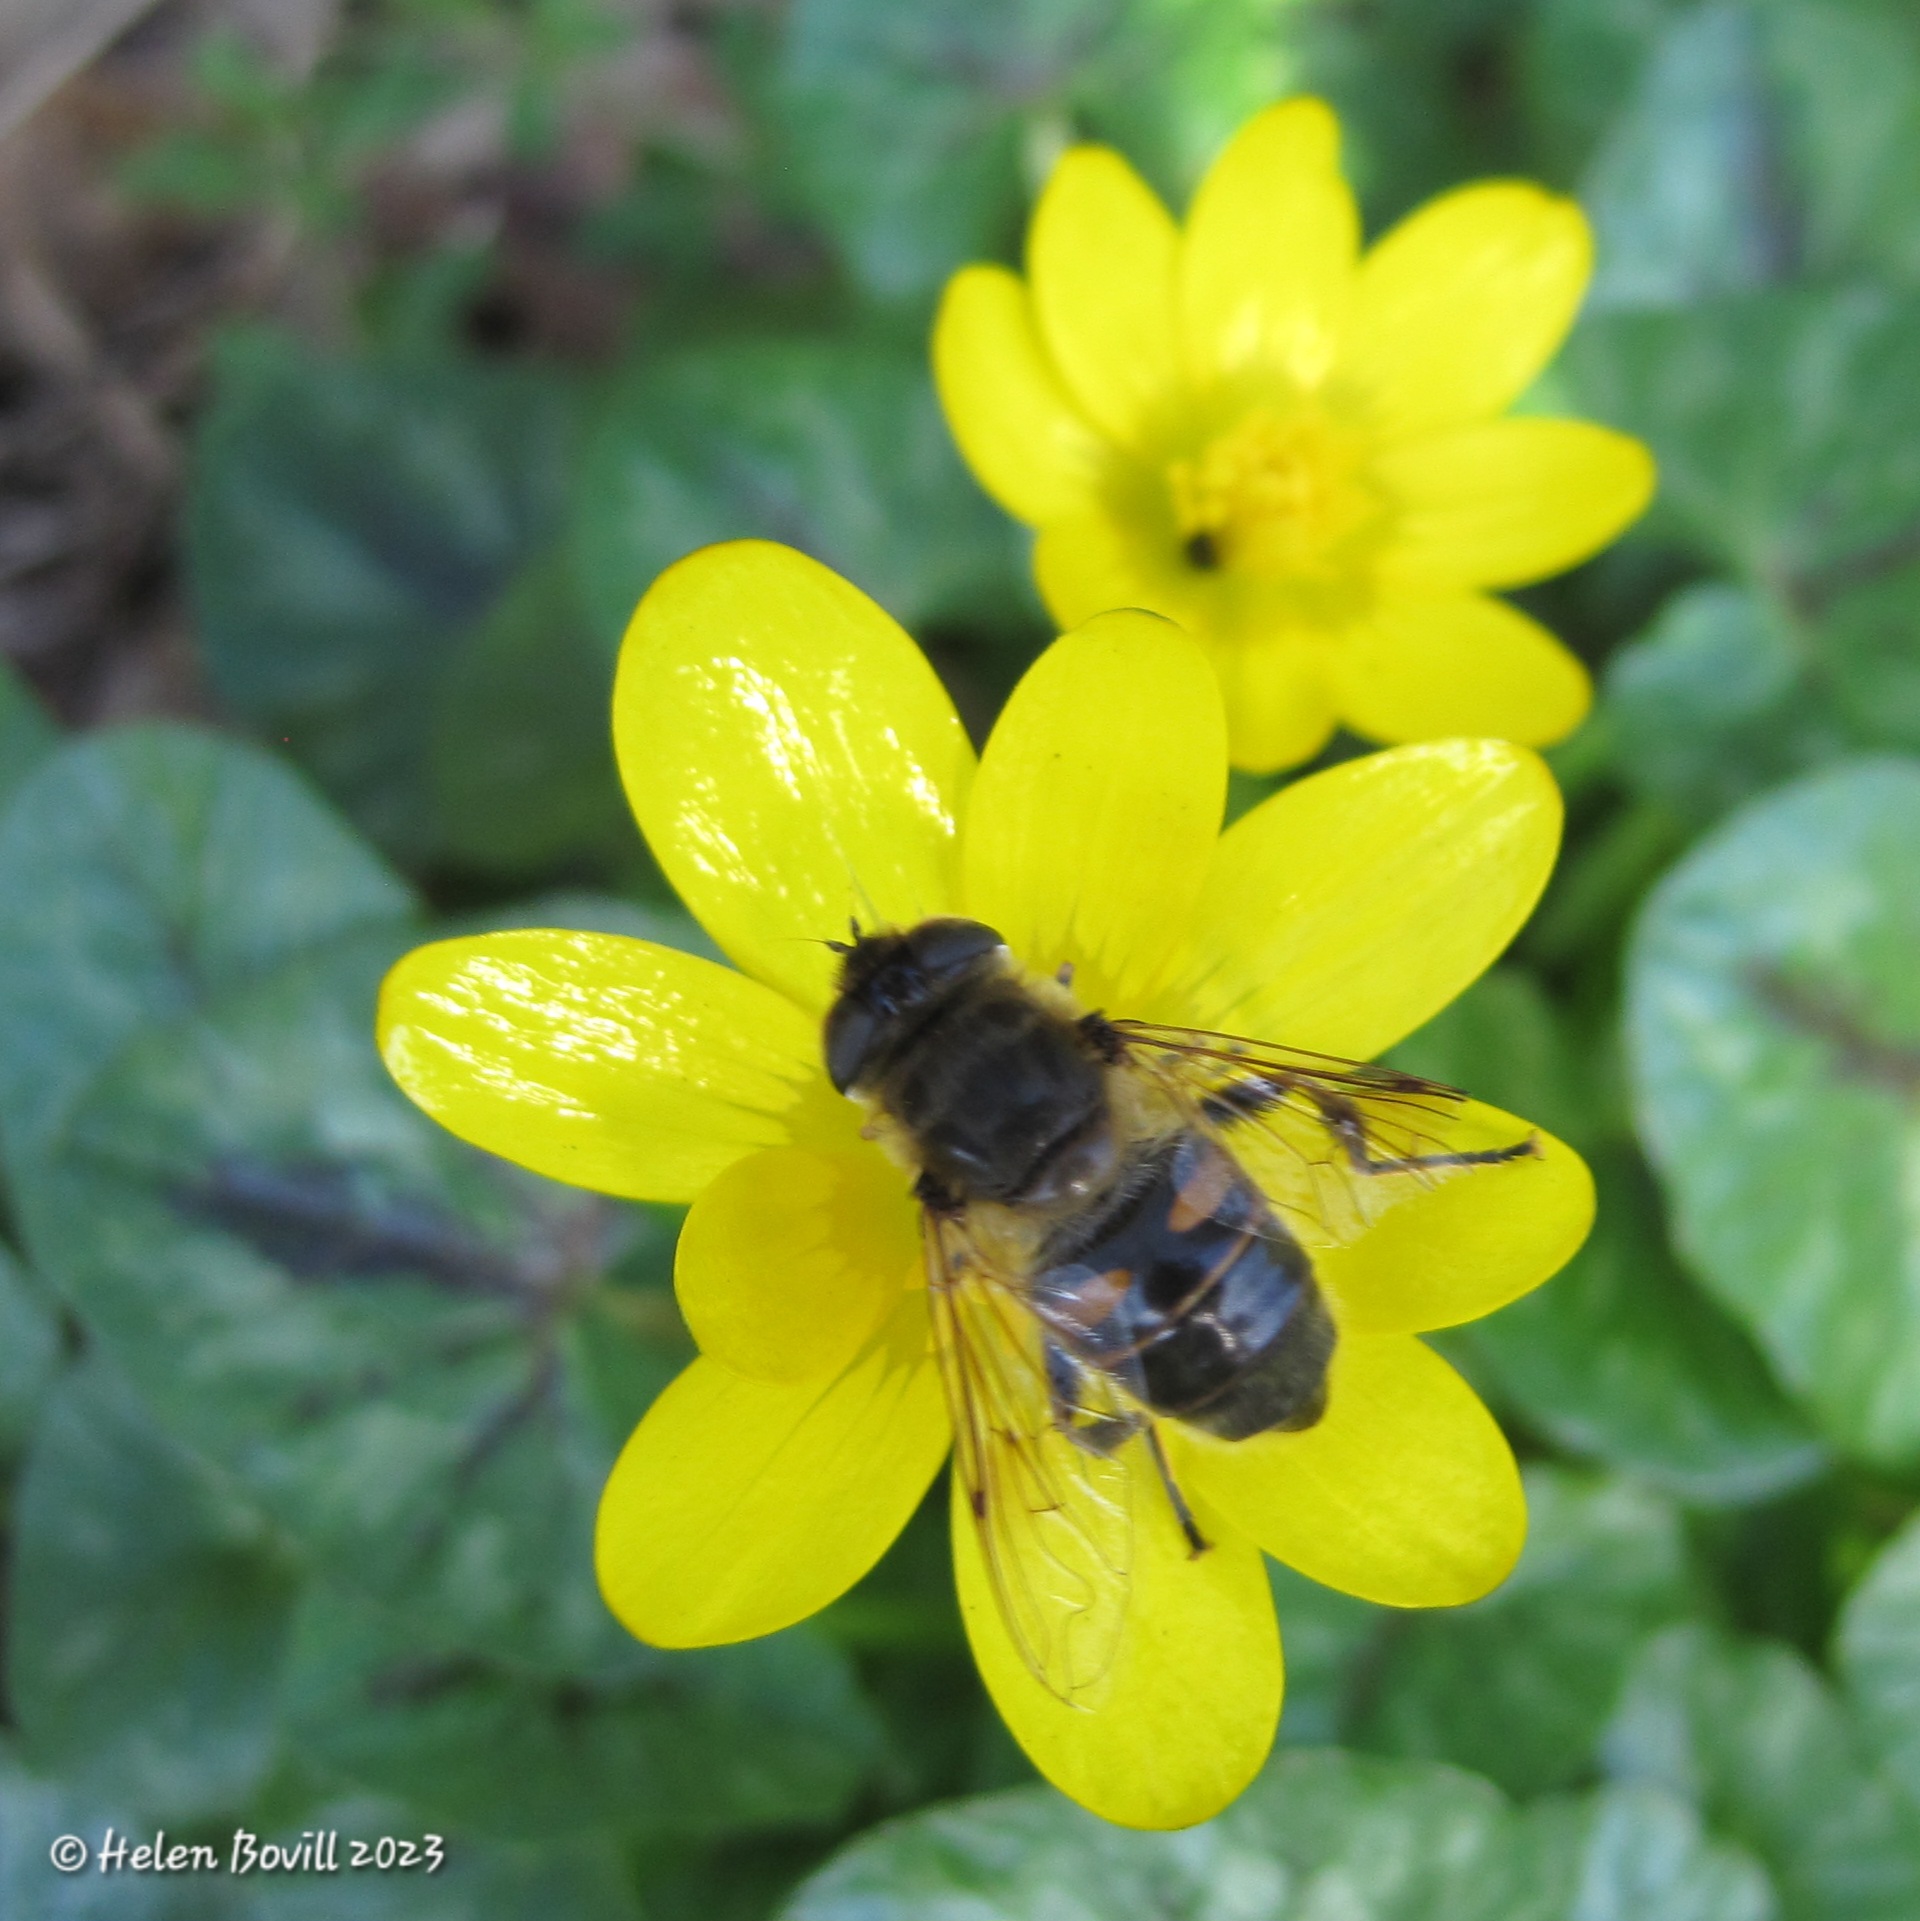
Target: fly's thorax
(979, 1077)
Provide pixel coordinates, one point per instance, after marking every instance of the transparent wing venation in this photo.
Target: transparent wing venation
(1054, 1521)
(1333, 1143)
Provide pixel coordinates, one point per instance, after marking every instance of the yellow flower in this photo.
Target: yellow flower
(794, 761)
(1292, 450)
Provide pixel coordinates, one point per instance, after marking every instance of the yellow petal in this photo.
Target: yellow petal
(610, 1063)
(1424, 668)
(1347, 909)
(1404, 1492)
(1447, 1247)
(1097, 804)
(1463, 303)
(792, 759)
(738, 1507)
(1510, 501)
(1091, 564)
(1266, 266)
(792, 1258)
(1029, 446)
(1100, 261)
(1187, 1712)
(1279, 708)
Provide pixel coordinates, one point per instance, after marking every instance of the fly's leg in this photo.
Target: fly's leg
(1106, 1434)
(1196, 1541)
(1255, 1094)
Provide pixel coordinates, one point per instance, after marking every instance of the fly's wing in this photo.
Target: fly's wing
(1333, 1144)
(1054, 1518)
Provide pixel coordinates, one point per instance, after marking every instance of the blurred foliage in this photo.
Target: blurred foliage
(304, 1407)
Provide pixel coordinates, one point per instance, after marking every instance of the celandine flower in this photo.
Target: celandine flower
(1289, 448)
(795, 764)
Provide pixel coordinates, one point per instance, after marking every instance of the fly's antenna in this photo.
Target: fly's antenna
(864, 900)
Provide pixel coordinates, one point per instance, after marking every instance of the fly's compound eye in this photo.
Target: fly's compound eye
(944, 948)
(851, 1032)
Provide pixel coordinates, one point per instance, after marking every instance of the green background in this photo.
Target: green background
(305, 1407)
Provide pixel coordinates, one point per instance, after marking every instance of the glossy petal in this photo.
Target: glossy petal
(1097, 804)
(1405, 1492)
(1266, 265)
(791, 1260)
(1453, 1246)
(1029, 446)
(791, 757)
(1100, 260)
(1508, 502)
(738, 1507)
(610, 1063)
(1279, 707)
(1426, 667)
(1188, 1710)
(1355, 904)
(1463, 303)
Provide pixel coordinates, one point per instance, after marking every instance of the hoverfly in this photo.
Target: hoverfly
(1099, 1258)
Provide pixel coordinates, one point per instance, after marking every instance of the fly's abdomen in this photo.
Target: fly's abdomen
(1194, 1294)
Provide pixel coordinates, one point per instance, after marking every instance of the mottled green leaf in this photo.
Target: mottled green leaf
(1717, 700)
(1773, 1023)
(35, 1813)
(1622, 1359)
(1786, 423)
(1752, 1734)
(480, 1878)
(148, 1611)
(832, 446)
(371, 1325)
(1518, 1685)
(350, 528)
(1865, 642)
(1878, 1646)
(29, 1352)
(27, 736)
(764, 1735)
(1320, 1834)
(911, 126)
(1680, 191)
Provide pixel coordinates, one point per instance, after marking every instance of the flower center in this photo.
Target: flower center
(1275, 495)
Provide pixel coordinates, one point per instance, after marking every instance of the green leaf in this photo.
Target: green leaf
(27, 736)
(1752, 1734)
(1578, 61)
(351, 528)
(1878, 1650)
(373, 1327)
(1318, 1835)
(650, 1742)
(182, 866)
(1717, 700)
(148, 1612)
(1329, 1639)
(1786, 424)
(909, 126)
(1846, 75)
(522, 754)
(29, 1353)
(1518, 1685)
(34, 1813)
(1679, 191)
(1622, 1359)
(1773, 1025)
(833, 446)
(479, 1879)
(1864, 640)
